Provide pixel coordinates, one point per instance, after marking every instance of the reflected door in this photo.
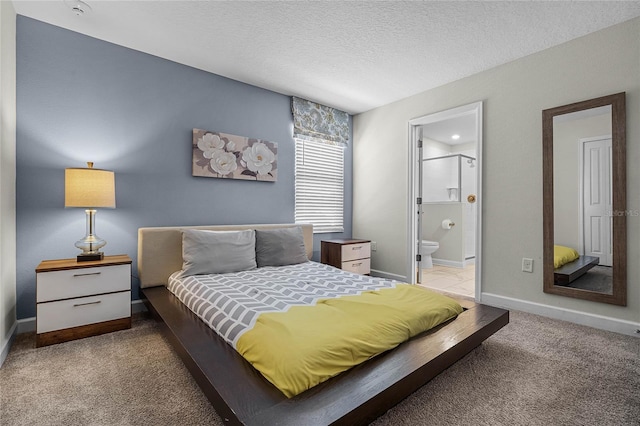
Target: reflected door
(597, 199)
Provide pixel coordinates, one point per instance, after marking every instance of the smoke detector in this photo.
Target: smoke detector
(78, 7)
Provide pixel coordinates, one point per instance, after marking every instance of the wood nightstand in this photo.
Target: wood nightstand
(82, 299)
(348, 255)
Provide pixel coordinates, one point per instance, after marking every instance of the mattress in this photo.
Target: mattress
(300, 325)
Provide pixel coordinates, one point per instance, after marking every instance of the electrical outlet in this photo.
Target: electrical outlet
(374, 246)
(527, 264)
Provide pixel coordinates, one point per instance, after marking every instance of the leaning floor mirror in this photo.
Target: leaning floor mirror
(584, 194)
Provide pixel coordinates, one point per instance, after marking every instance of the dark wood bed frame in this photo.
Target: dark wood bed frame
(573, 270)
(242, 396)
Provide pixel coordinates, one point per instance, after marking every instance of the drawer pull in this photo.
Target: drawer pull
(85, 275)
(356, 264)
(356, 248)
(88, 303)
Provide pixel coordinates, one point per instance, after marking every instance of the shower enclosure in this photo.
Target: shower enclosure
(447, 178)
(449, 188)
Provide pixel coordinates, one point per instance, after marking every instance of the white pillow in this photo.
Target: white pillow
(217, 252)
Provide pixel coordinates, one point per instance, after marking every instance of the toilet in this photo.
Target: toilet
(427, 248)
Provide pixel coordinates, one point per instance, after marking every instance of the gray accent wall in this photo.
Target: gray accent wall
(81, 99)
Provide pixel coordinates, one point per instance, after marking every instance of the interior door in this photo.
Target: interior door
(597, 202)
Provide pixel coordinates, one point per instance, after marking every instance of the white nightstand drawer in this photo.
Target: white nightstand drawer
(58, 285)
(360, 266)
(356, 251)
(81, 311)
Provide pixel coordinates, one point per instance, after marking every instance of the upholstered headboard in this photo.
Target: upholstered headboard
(160, 248)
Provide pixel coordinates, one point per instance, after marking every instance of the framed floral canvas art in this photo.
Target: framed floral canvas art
(221, 155)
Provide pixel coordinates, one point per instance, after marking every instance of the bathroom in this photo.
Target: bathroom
(449, 209)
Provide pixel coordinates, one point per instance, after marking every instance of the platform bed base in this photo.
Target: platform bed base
(570, 272)
(240, 395)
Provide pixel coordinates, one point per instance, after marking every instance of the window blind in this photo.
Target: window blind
(319, 187)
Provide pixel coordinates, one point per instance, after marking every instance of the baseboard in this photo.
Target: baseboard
(449, 263)
(27, 325)
(7, 345)
(583, 318)
(388, 275)
(137, 306)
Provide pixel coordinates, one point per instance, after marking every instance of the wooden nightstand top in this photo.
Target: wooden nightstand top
(65, 264)
(346, 241)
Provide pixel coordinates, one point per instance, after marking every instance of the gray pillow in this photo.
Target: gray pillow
(217, 252)
(282, 246)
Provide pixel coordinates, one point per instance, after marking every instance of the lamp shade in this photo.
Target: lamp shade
(89, 188)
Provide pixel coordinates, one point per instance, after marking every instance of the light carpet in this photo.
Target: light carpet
(535, 371)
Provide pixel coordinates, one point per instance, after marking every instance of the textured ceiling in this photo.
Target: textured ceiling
(353, 55)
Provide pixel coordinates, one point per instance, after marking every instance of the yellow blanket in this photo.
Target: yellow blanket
(306, 345)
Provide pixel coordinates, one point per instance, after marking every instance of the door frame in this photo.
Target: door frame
(412, 221)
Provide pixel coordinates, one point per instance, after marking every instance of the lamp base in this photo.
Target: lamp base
(90, 257)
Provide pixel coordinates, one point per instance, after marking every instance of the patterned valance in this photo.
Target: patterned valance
(319, 123)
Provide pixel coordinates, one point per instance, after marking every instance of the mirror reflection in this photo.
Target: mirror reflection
(585, 200)
(582, 200)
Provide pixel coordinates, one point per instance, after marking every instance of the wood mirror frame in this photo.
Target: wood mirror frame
(618, 193)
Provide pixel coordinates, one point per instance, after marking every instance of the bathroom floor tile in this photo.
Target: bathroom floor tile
(459, 281)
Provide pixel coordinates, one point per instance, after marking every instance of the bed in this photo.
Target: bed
(241, 395)
(571, 271)
(569, 265)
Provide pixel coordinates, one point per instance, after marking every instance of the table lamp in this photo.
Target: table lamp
(89, 188)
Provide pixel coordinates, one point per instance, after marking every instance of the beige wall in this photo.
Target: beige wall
(7, 175)
(514, 96)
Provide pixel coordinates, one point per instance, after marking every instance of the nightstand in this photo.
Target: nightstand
(348, 255)
(81, 299)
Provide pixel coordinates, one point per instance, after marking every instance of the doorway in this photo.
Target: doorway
(445, 181)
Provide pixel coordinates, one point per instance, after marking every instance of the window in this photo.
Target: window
(321, 134)
(319, 185)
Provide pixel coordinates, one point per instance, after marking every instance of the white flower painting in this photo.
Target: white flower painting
(258, 158)
(222, 155)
